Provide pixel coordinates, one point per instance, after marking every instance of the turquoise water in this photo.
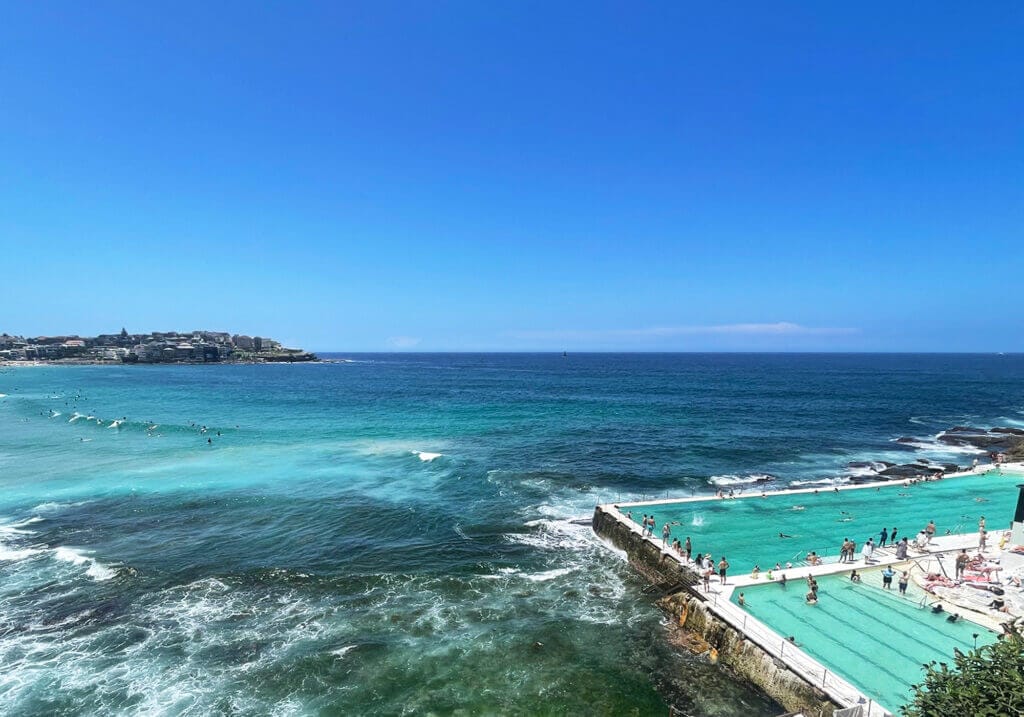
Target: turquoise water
(873, 637)
(746, 530)
(319, 556)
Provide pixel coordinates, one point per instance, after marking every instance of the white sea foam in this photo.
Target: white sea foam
(75, 416)
(342, 651)
(937, 447)
(732, 479)
(13, 531)
(94, 569)
(13, 554)
(3, 395)
(697, 520)
(825, 481)
(427, 457)
(115, 424)
(548, 575)
(53, 507)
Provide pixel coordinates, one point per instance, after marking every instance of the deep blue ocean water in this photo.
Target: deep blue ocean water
(392, 534)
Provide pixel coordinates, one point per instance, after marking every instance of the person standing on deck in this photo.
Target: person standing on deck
(930, 530)
(666, 533)
(723, 566)
(884, 536)
(868, 550)
(892, 536)
(688, 547)
(904, 579)
(982, 537)
(961, 563)
(901, 549)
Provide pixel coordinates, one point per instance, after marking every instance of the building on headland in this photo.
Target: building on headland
(154, 347)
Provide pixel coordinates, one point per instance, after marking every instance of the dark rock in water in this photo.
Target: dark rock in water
(925, 461)
(870, 478)
(985, 440)
(863, 464)
(1010, 431)
(887, 464)
(951, 468)
(907, 439)
(906, 470)
(764, 479)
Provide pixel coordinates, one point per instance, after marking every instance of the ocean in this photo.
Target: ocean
(398, 534)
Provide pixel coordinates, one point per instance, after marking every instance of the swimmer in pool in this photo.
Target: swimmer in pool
(797, 507)
(783, 535)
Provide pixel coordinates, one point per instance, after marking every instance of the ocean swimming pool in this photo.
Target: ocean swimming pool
(875, 638)
(746, 530)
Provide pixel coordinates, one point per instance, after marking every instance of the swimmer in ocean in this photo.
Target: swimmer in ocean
(783, 535)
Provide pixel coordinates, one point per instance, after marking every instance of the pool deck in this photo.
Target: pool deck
(813, 672)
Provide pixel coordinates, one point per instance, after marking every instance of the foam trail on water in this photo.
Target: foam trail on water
(95, 570)
(427, 457)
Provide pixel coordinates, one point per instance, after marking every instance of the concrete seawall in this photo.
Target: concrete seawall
(704, 628)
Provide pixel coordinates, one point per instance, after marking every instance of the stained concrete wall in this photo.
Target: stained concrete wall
(705, 632)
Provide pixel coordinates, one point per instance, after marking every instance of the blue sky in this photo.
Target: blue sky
(517, 175)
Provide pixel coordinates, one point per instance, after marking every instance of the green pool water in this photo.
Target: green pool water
(746, 530)
(874, 638)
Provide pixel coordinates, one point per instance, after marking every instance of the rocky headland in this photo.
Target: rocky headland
(1001, 440)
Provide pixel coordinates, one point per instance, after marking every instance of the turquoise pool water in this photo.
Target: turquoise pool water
(874, 638)
(746, 530)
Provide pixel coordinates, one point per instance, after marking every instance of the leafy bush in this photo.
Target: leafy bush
(986, 682)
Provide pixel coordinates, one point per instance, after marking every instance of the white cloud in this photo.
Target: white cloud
(778, 328)
(403, 342)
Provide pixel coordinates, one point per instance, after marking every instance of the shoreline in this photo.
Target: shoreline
(88, 362)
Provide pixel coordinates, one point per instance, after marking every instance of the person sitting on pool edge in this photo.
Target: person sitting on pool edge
(854, 577)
